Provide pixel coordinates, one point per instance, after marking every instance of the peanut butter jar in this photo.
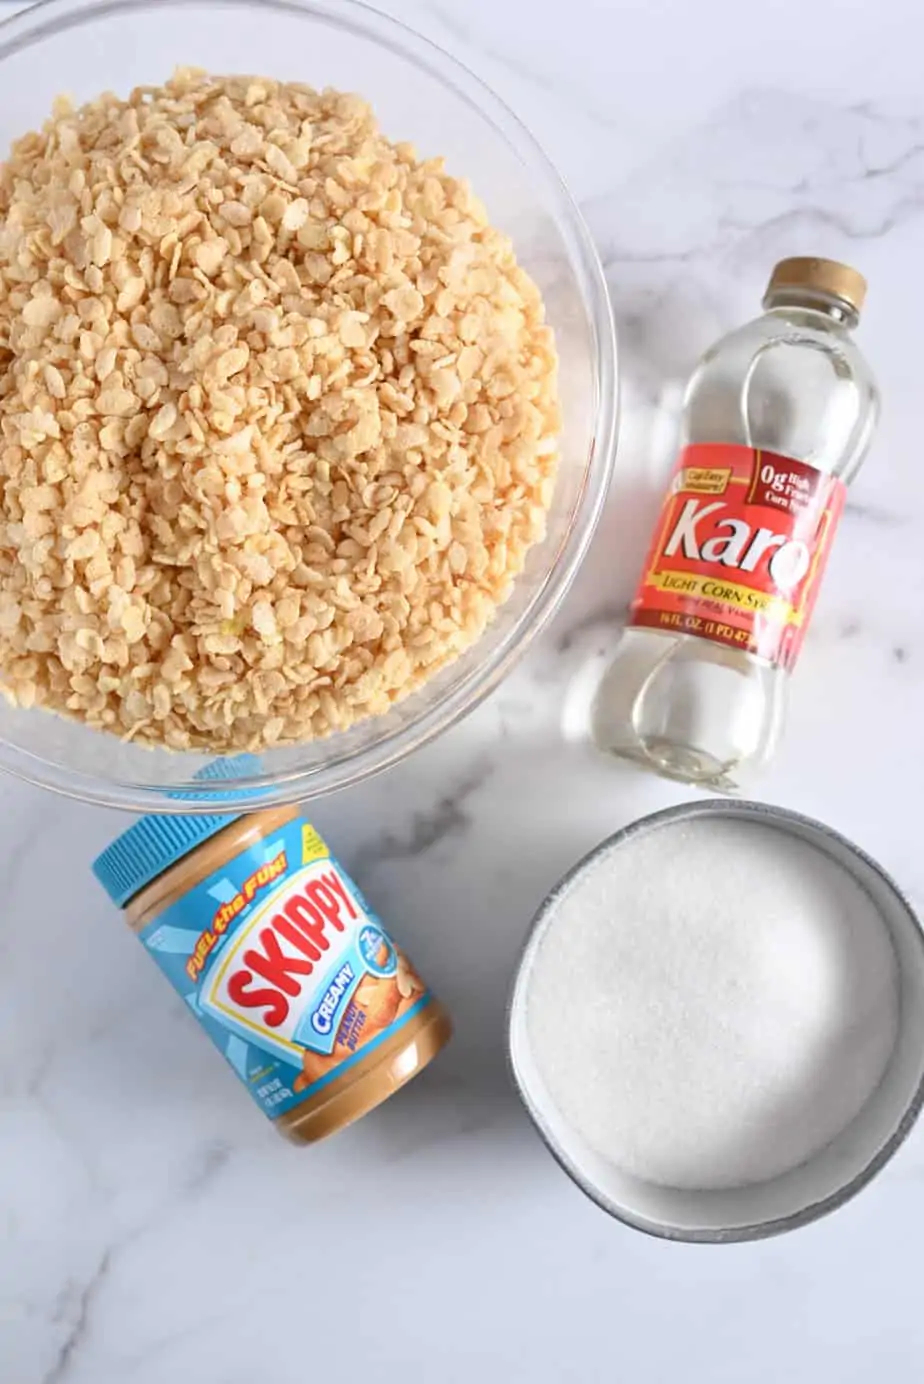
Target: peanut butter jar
(280, 959)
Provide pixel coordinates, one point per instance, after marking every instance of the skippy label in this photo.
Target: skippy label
(286, 967)
(740, 550)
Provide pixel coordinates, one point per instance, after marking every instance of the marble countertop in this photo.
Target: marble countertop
(152, 1226)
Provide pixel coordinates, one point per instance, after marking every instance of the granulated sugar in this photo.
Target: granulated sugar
(712, 1003)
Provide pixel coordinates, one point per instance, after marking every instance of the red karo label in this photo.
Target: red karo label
(740, 550)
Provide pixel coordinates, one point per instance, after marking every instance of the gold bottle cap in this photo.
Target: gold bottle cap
(820, 276)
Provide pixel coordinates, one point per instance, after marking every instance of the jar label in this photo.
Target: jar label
(285, 966)
(740, 549)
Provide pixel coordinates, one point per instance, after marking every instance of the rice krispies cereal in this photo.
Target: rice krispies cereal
(278, 415)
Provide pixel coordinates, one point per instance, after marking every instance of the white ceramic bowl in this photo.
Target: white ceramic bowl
(826, 1180)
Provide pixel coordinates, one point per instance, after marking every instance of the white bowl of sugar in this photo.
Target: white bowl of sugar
(718, 1022)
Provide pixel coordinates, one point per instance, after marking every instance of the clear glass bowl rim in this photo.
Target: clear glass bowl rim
(49, 18)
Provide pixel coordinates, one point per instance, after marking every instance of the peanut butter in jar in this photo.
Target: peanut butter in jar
(280, 959)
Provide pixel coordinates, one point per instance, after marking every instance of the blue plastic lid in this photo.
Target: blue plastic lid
(156, 842)
(149, 848)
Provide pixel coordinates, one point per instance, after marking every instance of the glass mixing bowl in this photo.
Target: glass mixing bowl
(419, 94)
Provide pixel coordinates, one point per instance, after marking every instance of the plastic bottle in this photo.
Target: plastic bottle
(778, 417)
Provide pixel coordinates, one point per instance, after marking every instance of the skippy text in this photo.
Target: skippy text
(278, 955)
(210, 937)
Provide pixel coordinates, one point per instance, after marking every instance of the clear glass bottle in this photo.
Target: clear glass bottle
(780, 413)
